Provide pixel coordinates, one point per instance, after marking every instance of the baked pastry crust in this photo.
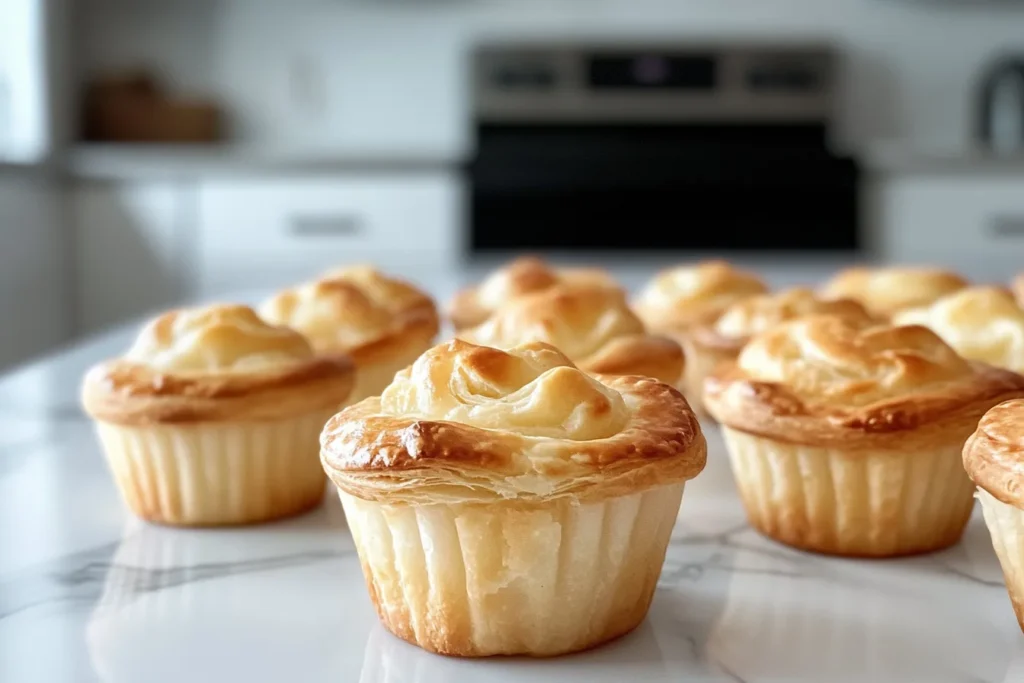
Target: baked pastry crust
(694, 294)
(593, 326)
(885, 291)
(731, 330)
(220, 362)
(827, 381)
(982, 323)
(524, 275)
(358, 311)
(471, 423)
(994, 454)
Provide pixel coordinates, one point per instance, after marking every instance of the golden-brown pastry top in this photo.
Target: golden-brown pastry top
(524, 275)
(755, 314)
(217, 362)
(687, 295)
(885, 291)
(981, 323)
(828, 380)
(358, 311)
(469, 422)
(994, 454)
(593, 326)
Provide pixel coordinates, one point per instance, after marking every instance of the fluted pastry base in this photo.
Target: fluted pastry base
(504, 579)
(1006, 524)
(218, 473)
(866, 504)
(700, 363)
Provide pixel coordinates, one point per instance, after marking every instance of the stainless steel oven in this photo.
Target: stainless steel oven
(658, 147)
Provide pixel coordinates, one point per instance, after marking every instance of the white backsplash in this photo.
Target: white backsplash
(371, 76)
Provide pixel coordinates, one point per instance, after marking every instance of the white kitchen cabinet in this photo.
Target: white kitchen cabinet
(266, 233)
(132, 243)
(33, 292)
(971, 222)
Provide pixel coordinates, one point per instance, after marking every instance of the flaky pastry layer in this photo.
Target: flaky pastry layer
(524, 275)
(982, 323)
(472, 423)
(593, 326)
(219, 362)
(825, 380)
(731, 330)
(687, 295)
(994, 454)
(885, 291)
(358, 311)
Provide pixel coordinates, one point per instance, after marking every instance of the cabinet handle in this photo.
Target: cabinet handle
(1007, 226)
(325, 226)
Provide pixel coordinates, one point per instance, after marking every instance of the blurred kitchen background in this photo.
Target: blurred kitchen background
(160, 151)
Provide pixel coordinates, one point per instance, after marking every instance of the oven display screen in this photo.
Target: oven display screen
(651, 71)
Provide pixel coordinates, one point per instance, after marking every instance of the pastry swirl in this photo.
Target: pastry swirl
(358, 311)
(468, 422)
(885, 291)
(212, 363)
(593, 326)
(981, 323)
(755, 314)
(994, 454)
(829, 381)
(683, 296)
(524, 275)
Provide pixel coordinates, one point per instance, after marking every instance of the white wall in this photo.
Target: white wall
(388, 75)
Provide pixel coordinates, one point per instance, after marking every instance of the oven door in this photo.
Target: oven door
(644, 188)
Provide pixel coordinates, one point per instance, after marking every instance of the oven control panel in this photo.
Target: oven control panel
(654, 82)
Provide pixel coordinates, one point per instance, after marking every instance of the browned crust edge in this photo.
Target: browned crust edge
(374, 456)
(994, 453)
(128, 393)
(770, 410)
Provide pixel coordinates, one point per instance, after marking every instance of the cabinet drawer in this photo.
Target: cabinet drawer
(265, 231)
(971, 223)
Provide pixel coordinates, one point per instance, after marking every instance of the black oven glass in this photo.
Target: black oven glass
(635, 187)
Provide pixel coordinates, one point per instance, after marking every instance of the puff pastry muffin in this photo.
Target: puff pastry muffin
(886, 291)
(381, 322)
(593, 326)
(721, 339)
(524, 275)
(846, 438)
(981, 323)
(212, 417)
(505, 502)
(994, 460)
(679, 300)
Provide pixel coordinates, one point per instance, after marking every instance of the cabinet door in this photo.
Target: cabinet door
(270, 233)
(33, 291)
(131, 242)
(973, 223)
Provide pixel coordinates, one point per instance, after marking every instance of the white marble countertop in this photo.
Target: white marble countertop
(897, 157)
(129, 161)
(87, 593)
